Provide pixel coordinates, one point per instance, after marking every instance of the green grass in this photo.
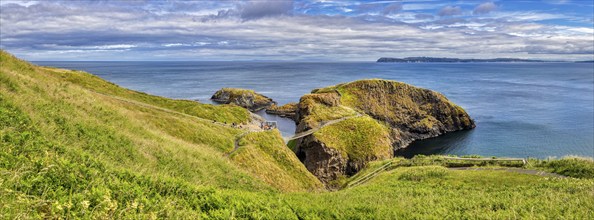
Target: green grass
(220, 113)
(122, 134)
(66, 134)
(422, 160)
(399, 103)
(359, 139)
(45, 179)
(323, 113)
(289, 108)
(437, 160)
(569, 166)
(265, 155)
(291, 145)
(68, 152)
(321, 108)
(437, 193)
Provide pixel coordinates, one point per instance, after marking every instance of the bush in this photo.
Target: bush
(570, 166)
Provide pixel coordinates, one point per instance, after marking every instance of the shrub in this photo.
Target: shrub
(570, 166)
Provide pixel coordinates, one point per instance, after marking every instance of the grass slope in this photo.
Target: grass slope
(67, 134)
(220, 113)
(434, 192)
(68, 152)
(359, 139)
(265, 155)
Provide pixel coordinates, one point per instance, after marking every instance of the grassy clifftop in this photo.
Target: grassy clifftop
(221, 113)
(314, 109)
(121, 127)
(417, 109)
(69, 137)
(359, 139)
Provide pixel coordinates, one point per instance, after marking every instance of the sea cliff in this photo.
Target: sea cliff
(376, 117)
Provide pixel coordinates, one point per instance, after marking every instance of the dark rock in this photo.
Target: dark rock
(288, 110)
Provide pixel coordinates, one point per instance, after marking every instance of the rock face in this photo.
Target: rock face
(325, 163)
(378, 117)
(242, 97)
(288, 110)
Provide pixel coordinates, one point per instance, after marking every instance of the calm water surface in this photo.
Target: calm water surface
(521, 109)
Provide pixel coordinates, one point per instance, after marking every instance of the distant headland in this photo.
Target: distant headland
(449, 60)
(458, 60)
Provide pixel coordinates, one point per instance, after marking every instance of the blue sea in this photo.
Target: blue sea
(521, 109)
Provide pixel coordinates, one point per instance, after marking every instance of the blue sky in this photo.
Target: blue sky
(311, 30)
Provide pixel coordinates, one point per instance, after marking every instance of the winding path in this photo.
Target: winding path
(146, 105)
(236, 142)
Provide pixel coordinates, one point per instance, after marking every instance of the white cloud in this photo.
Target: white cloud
(173, 45)
(519, 16)
(116, 46)
(41, 31)
(421, 6)
(19, 2)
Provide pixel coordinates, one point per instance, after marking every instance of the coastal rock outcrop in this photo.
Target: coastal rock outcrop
(288, 110)
(367, 120)
(242, 97)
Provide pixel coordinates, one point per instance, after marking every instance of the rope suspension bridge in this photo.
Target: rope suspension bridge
(313, 130)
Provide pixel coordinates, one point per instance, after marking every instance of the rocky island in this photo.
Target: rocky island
(343, 127)
(450, 60)
(288, 110)
(254, 101)
(368, 120)
(242, 97)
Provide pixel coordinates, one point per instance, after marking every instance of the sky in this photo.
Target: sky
(299, 30)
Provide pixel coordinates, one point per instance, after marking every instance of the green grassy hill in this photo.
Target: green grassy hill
(75, 146)
(68, 134)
